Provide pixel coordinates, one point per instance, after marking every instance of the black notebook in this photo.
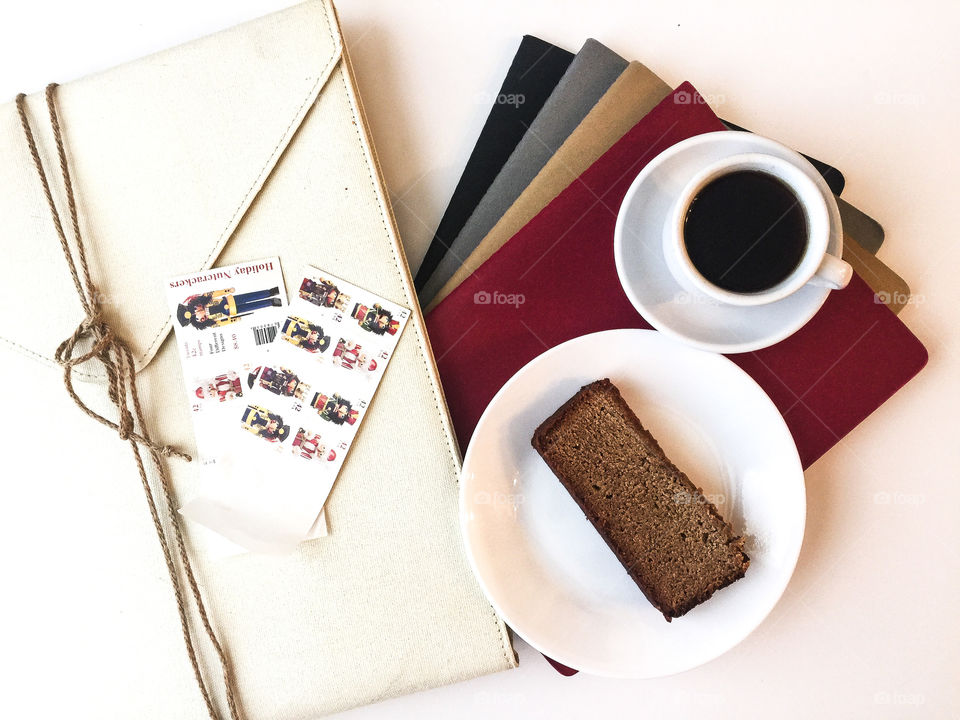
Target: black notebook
(534, 73)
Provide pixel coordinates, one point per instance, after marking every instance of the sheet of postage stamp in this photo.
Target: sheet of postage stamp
(309, 394)
(295, 405)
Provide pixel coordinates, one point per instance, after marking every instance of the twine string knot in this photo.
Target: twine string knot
(118, 365)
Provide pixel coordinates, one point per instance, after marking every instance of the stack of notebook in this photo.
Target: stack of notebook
(543, 226)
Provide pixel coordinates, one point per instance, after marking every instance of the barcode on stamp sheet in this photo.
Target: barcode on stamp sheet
(265, 334)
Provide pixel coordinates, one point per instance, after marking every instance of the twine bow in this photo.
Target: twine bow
(117, 361)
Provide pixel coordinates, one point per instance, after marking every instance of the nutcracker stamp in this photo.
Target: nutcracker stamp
(323, 293)
(222, 388)
(336, 409)
(264, 424)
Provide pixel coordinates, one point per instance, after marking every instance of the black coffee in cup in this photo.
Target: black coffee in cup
(745, 231)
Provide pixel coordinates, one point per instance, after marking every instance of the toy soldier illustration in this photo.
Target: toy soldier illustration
(280, 381)
(309, 445)
(223, 387)
(334, 409)
(305, 334)
(265, 424)
(222, 307)
(323, 293)
(377, 320)
(350, 355)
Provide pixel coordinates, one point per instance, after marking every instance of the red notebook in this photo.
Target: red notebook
(825, 379)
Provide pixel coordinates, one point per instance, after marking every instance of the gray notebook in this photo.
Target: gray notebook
(592, 72)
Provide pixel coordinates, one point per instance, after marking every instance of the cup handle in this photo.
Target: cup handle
(833, 273)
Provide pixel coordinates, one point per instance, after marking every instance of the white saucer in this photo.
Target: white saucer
(691, 316)
(544, 567)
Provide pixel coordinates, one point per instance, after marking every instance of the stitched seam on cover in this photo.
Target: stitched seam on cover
(263, 174)
(397, 260)
(24, 349)
(501, 628)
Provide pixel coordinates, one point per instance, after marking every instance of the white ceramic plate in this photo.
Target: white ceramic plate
(548, 572)
(690, 316)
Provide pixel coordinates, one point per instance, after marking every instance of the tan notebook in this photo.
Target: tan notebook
(632, 96)
(242, 145)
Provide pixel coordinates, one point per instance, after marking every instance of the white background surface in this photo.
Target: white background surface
(868, 627)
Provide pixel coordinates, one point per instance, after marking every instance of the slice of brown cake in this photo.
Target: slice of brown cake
(672, 542)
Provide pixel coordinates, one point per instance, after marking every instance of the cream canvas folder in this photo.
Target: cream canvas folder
(245, 144)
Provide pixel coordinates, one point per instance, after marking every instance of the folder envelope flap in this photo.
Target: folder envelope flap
(168, 154)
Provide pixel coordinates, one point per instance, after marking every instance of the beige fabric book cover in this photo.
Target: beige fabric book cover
(245, 144)
(637, 91)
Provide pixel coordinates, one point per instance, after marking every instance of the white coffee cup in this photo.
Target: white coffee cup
(816, 266)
